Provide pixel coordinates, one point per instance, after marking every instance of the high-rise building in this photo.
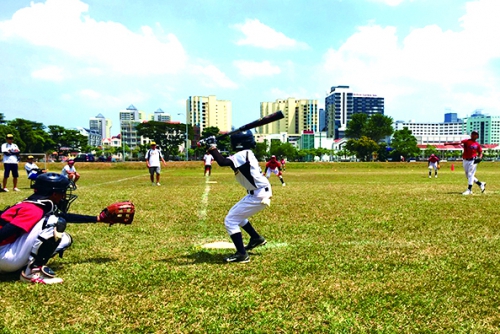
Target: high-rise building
(487, 126)
(300, 115)
(341, 103)
(160, 116)
(207, 111)
(129, 119)
(101, 125)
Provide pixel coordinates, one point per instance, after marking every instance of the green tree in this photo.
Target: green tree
(364, 147)
(376, 127)
(63, 139)
(429, 150)
(260, 151)
(356, 128)
(404, 144)
(166, 135)
(32, 136)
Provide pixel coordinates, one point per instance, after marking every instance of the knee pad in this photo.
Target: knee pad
(48, 240)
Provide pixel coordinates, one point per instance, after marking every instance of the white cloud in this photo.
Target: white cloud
(49, 73)
(211, 76)
(64, 25)
(90, 94)
(259, 35)
(447, 65)
(256, 69)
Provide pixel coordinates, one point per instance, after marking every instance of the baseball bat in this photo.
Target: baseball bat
(260, 122)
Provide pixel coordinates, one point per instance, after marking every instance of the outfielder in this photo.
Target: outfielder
(432, 163)
(248, 173)
(472, 155)
(273, 166)
(33, 231)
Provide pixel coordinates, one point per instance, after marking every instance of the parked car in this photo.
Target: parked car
(84, 157)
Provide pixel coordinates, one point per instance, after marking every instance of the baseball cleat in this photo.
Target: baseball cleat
(40, 275)
(237, 257)
(284, 184)
(158, 184)
(483, 186)
(467, 192)
(255, 243)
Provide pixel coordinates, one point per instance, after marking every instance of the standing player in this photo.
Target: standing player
(248, 173)
(472, 155)
(283, 163)
(33, 231)
(432, 163)
(207, 163)
(10, 153)
(153, 157)
(273, 166)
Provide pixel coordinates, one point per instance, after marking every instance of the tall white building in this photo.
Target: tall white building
(101, 124)
(300, 115)
(129, 119)
(434, 133)
(160, 116)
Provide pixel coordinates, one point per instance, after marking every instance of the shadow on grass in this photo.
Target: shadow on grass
(10, 277)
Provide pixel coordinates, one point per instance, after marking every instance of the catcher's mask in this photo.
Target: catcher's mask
(243, 140)
(49, 183)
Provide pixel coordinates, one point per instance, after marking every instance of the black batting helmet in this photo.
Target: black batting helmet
(48, 183)
(243, 140)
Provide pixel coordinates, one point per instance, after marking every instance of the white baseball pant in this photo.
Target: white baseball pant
(470, 171)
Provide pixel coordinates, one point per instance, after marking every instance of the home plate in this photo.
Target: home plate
(219, 245)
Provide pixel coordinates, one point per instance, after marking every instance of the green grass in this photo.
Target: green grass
(352, 248)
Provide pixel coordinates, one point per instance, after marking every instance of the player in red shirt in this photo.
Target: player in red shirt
(433, 163)
(32, 231)
(472, 155)
(273, 166)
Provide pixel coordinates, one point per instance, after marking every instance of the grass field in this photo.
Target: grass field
(352, 248)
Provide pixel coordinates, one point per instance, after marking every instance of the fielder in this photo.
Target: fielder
(33, 231)
(273, 166)
(472, 155)
(433, 163)
(207, 163)
(248, 173)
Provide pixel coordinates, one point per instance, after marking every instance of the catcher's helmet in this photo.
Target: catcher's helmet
(243, 140)
(49, 183)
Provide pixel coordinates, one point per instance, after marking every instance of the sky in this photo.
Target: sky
(65, 61)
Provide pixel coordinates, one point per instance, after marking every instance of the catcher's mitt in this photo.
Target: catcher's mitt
(477, 160)
(118, 213)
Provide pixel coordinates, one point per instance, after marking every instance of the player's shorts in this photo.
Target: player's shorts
(275, 171)
(433, 165)
(153, 170)
(208, 167)
(10, 167)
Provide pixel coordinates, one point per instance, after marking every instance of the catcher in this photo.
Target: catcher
(70, 171)
(33, 231)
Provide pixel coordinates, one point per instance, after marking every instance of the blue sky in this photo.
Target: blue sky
(64, 61)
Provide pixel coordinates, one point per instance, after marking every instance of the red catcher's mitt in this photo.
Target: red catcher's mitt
(118, 213)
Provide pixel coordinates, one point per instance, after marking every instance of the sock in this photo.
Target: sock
(281, 179)
(478, 183)
(238, 242)
(250, 230)
(470, 187)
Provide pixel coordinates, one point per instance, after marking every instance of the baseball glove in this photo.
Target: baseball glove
(118, 213)
(477, 160)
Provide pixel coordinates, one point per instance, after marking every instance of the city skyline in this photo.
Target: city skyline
(65, 61)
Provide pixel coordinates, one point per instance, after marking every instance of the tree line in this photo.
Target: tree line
(367, 140)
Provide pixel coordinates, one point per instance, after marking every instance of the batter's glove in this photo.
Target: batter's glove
(209, 142)
(477, 160)
(118, 213)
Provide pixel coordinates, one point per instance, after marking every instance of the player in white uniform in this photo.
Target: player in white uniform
(153, 157)
(207, 163)
(249, 174)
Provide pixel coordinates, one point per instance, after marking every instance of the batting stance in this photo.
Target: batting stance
(472, 155)
(273, 166)
(33, 231)
(248, 173)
